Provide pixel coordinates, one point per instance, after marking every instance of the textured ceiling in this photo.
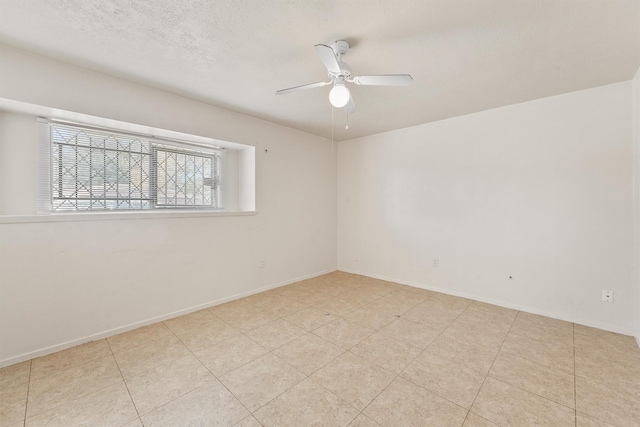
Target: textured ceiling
(465, 55)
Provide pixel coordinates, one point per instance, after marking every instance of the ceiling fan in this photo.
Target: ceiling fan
(340, 74)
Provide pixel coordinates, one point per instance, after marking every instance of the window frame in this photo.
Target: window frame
(179, 147)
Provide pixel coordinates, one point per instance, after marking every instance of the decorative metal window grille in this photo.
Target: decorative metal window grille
(102, 170)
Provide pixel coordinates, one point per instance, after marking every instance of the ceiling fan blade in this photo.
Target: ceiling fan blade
(328, 58)
(351, 105)
(302, 87)
(384, 80)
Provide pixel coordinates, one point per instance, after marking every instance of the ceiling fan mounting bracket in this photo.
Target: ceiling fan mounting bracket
(340, 48)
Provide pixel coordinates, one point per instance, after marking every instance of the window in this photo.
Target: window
(96, 169)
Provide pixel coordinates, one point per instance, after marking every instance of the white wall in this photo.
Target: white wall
(636, 194)
(64, 282)
(540, 191)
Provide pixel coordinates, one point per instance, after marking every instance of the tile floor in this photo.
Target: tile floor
(336, 350)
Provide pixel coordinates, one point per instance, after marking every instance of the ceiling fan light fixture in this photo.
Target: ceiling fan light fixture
(339, 95)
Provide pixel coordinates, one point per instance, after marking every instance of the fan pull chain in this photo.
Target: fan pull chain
(347, 126)
(332, 141)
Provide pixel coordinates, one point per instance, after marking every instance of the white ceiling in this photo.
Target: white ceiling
(465, 55)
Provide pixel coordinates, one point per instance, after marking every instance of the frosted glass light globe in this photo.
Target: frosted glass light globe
(339, 96)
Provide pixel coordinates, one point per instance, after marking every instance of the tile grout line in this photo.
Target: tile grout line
(79, 396)
(414, 359)
(208, 370)
(494, 361)
(345, 351)
(567, 371)
(123, 380)
(26, 402)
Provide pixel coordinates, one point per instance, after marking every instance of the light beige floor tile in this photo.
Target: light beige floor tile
(485, 316)
(279, 305)
(605, 349)
(243, 315)
(338, 306)
(310, 297)
(353, 379)
(343, 333)
(363, 421)
(325, 279)
(275, 334)
(544, 353)
(110, 406)
(138, 336)
(445, 378)
(210, 405)
(474, 420)
(382, 287)
(452, 300)
(309, 353)
(468, 354)
(134, 423)
(13, 400)
(250, 421)
(495, 310)
(15, 374)
(507, 405)
(230, 354)
(478, 333)
(608, 404)
(386, 352)
(167, 382)
(352, 282)
(424, 294)
(598, 337)
(622, 373)
(310, 318)
(337, 275)
(532, 327)
(260, 381)
(69, 358)
(553, 384)
(587, 421)
(289, 291)
(331, 290)
(432, 314)
(136, 360)
(403, 403)
(393, 306)
(535, 319)
(65, 386)
(370, 318)
(14, 382)
(200, 329)
(408, 295)
(412, 333)
(306, 404)
(261, 298)
(361, 295)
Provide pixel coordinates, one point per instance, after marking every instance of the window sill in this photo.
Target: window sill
(110, 216)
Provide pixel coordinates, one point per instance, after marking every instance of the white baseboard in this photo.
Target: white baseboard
(506, 304)
(131, 326)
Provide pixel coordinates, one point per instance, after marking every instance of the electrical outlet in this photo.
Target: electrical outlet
(261, 264)
(607, 296)
(436, 262)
